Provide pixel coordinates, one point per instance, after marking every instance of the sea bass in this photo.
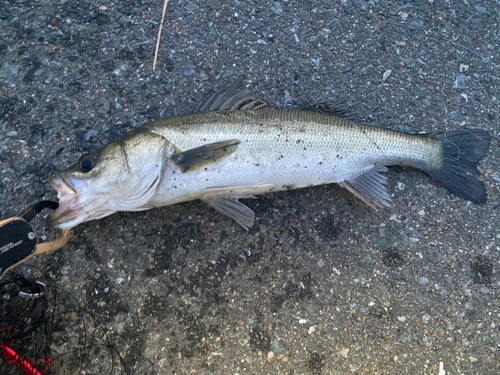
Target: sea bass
(233, 146)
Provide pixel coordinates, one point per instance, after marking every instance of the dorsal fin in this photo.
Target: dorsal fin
(330, 109)
(230, 98)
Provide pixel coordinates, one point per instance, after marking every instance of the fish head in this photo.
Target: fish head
(123, 176)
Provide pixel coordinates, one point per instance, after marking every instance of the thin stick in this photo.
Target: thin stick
(159, 34)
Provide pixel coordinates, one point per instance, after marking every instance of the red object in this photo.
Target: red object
(24, 364)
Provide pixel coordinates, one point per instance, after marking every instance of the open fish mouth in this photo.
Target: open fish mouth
(70, 211)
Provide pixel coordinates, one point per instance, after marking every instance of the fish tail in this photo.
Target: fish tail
(455, 167)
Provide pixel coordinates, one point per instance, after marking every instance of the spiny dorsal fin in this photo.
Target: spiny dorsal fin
(230, 98)
(370, 188)
(200, 157)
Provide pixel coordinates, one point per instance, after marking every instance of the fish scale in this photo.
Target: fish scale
(283, 148)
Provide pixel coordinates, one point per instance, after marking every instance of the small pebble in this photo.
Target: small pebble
(188, 72)
(426, 318)
(277, 347)
(386, 75)
(441, 369)
(461, 81)
(325, 32)
(90, 134)
(426, 341)
(190, 7)
(382, 294)
(414, 25)
(423, 280)
(480, 9)
(485, 290)
(276, 9)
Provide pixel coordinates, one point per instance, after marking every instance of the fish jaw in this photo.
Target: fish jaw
(75, 206)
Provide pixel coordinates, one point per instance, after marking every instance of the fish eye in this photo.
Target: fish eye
(87, 162)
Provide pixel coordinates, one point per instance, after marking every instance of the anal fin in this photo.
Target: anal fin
(370, 187)
(234, 209)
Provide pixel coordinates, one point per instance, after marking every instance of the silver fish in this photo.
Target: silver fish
(233, 146)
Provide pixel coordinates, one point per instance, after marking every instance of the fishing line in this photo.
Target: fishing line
(457, 147)
(29, 306)
(29, 317)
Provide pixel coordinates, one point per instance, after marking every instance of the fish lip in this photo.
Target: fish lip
(76, 205)
(58, 218)
(58, 183)
(68, 203)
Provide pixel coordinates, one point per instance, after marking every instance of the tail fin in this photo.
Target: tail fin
(462, 150)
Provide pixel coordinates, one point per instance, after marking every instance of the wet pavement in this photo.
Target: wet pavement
(322, 284)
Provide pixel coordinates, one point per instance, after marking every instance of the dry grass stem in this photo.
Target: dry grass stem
(159, 34)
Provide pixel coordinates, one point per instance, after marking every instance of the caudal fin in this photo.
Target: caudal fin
(462, 150)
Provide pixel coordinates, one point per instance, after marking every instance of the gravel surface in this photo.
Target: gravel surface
(322, 284)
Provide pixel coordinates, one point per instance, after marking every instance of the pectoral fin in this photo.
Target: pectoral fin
(232, 208)
(202, 156)
(370, 188)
